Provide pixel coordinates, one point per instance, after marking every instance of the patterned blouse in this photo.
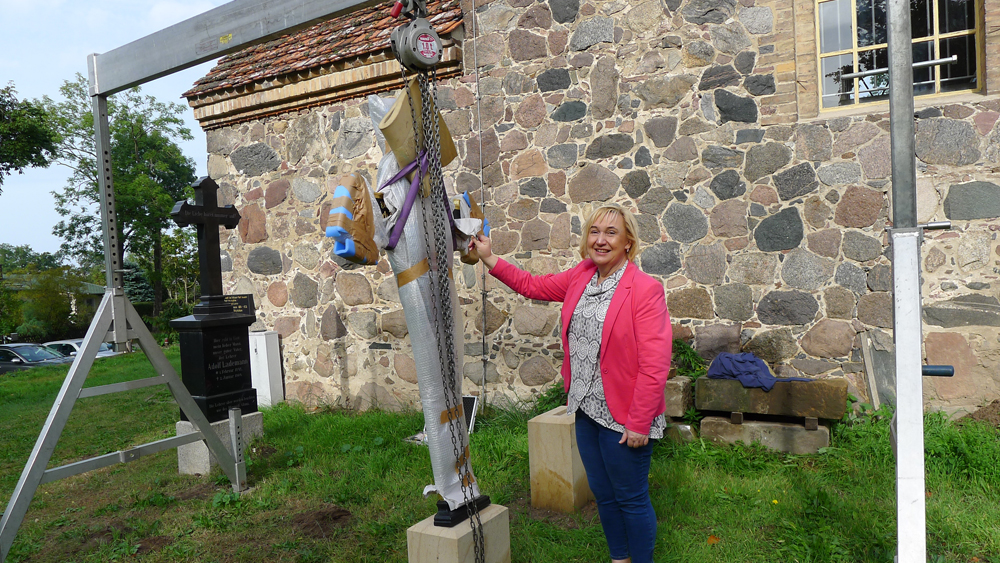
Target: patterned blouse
(586, 389)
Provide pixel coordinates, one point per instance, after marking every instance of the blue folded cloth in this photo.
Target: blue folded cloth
(750, 370)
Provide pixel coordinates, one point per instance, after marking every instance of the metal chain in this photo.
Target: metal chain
(439, 258)
(437, 178)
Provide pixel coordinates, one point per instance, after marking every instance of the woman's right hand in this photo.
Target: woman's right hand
(484, 246)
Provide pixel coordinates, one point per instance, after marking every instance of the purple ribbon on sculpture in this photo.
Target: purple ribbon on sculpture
(420, 165)
(411, 196)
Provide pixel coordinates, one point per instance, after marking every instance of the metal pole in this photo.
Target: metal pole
(911, 530)
(109, 217)
(904, 166)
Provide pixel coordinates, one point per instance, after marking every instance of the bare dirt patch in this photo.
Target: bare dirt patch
(989, 414)
(320, 523)
(199, 491)
(154, 543)
(521, 508)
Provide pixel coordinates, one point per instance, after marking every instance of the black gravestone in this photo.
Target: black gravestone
(214, 340)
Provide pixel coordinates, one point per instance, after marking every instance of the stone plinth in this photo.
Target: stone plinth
(781, 436)
(820, 398)
(558, 480)
(427, 543)
(678, 396)
(265, 368)
(680, 432)
(196, 459)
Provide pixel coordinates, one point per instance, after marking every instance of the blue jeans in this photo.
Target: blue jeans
(619, 478)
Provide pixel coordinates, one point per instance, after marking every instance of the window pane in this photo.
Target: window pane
(871, 23)
(921, 18)
(837, 92)
(876, 87)
(835, 26)
(957, 15)
(962, 74)
(923, 78)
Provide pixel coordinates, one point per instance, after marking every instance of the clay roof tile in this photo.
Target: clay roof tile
(350, 35)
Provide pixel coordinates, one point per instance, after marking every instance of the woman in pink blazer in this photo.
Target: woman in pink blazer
(617, 342)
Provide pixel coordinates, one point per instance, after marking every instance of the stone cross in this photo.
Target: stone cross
(208, 216)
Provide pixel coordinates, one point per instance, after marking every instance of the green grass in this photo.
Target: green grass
(344, 487)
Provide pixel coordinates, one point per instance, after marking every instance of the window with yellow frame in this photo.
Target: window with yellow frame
(852, 36)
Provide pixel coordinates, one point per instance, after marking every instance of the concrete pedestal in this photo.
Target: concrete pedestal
(196, 459)
(558, 480)
(265, 368)
(427, 543)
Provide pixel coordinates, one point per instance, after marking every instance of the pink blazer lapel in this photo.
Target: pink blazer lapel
(622, 294)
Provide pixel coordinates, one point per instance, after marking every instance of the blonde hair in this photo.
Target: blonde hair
(610, 210)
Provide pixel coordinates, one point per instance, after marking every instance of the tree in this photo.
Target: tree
(150, 174)
(26, 137)
(10, 310)
(136, 285)
(21, 257)
(180, 266)
(51, 305)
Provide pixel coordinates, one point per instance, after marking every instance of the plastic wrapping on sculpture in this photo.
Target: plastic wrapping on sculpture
(410, 264)
(356, 230)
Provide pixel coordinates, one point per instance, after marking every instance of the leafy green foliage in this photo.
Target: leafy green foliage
(54, 304)
(553, 396)
(692, 416)
(686, 360)
(10, 310)
(137, 286)
(17, 258)
(27, 138)
(149, 171)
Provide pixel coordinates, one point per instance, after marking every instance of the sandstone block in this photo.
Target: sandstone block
(426, 543)
(678, 396)
(820, 398)
(558, 479)
(680, 433)
(781, 436)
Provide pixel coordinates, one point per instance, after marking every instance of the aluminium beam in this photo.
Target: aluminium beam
(901, 130)
(906, 236)
(217, 32)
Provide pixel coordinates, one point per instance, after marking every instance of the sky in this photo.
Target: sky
(46, 42)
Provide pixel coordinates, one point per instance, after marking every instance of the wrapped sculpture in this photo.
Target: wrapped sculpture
(398, 217)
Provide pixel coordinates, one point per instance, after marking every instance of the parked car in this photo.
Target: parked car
(73, 347)
(15, 357)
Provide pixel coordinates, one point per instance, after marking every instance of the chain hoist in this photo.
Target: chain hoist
(418, 49)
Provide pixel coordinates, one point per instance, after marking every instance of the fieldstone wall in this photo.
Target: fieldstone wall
(769, 236)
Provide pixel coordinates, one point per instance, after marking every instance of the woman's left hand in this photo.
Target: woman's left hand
(634, 439)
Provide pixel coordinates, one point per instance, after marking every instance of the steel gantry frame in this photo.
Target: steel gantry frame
(242, 23)
(220, 31)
